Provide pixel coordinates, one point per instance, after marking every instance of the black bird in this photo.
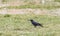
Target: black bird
(35, 23)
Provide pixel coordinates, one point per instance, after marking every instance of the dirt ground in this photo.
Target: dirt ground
(53, 12)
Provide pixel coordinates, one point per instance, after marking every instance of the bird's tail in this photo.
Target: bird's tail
(40, 25)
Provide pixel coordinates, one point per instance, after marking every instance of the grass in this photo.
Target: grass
(33, 6)
(57, 0)
(48, 5)
(18, 25)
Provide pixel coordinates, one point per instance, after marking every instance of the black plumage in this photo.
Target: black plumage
(35, 23)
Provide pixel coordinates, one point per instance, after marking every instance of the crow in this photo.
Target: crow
(36, 23)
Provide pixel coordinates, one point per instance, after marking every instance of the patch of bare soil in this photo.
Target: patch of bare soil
(52, 12)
